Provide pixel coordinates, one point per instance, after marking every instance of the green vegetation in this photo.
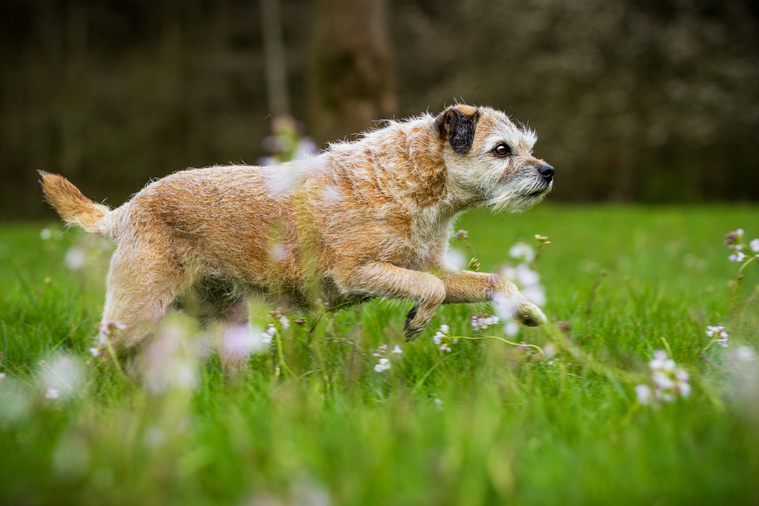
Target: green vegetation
(485, 423)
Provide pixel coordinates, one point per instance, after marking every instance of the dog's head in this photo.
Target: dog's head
(489, 159)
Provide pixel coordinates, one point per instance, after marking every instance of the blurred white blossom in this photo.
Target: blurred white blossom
(75, 258)
(172, 359)
(718, 333)
(522, 251)
(482, 321)
(61, 377)
(384, 364)
(668, 380)
(241, 341)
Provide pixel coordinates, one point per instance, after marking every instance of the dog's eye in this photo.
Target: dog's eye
(502, 150)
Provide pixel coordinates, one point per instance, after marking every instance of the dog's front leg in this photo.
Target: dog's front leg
(468, 286)
(381, 279)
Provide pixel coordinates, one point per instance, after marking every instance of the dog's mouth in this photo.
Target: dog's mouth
(538, 193)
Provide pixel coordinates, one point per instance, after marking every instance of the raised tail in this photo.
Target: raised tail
(71, 204)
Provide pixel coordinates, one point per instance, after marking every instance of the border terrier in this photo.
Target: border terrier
(364, 219)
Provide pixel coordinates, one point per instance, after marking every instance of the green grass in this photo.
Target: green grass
(487, 423)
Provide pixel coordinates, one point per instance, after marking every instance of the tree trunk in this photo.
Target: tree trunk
(351, 68)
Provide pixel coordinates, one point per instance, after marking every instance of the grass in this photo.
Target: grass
(486, 423)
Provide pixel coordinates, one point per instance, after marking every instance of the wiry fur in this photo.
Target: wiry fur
(370, 218)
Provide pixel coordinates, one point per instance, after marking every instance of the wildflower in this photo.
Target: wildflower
(52, 393)
(62, 376)
(742, 355)
(397, 350)
(462, 234)
(644, 393)
(719, 332)
(106, 327)
(240, 341)
(384, 364)
(442, 339)
(737, 257)
(45, 234)
(522, 251)
(734, 237)
(269, 334)
(483, 320)
(455, 259)
(668, 380)
(75, 258)
(661, 362)
(511, 328)
(380, 351)
(278, 314)
(172, 359)
(754, 245)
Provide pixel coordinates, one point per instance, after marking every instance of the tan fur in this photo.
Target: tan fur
(371, 218)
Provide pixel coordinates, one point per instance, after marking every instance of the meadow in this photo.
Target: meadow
(583, 410)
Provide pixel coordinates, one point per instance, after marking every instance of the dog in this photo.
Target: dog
(363, 219)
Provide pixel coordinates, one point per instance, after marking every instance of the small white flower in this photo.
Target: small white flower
(743, 354)
(511, 328)
(284, 321)
(754, 245)
(526, 276)
(45, 234)
(2, 376)
(455, 259)
(52, 393)
(505, 306)
(644, 393)
(397, 350)
(240, 341)
(522, 251)
(75, 258)
(535, 294)
(95, 351)
(438, 338)
(445, 347)
(662, 380)
(444, 329)
(380, 351)
(384, 365)
(737, 257)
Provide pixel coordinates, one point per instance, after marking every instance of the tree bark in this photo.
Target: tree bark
(351, 68)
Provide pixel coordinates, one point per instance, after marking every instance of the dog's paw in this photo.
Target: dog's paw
(410, 328)
(529, 314)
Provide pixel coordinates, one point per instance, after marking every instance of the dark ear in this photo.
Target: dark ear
(457, 124)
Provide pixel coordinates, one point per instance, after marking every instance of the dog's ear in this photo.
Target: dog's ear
(457, 125)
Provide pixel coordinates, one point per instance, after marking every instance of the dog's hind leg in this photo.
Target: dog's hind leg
(223, 310)
(142, 283)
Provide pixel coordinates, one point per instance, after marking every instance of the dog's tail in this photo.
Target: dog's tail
(72, 205)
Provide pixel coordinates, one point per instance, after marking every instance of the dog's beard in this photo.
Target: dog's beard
(520, 195)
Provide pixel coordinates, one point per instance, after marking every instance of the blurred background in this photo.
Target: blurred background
(634, 101)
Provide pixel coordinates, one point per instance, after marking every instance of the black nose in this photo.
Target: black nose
(546, 171)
